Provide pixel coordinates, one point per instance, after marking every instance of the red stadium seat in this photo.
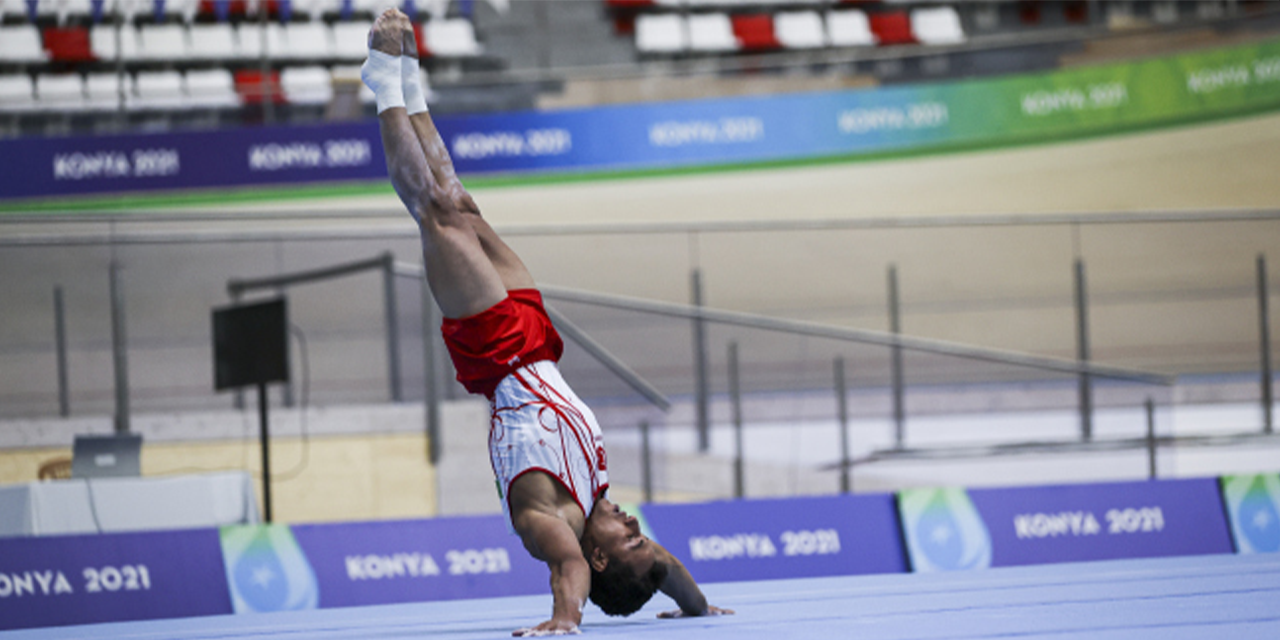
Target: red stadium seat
(70, 44)
(893, 27)
(423, 51)
(249, 86)
(755, 32)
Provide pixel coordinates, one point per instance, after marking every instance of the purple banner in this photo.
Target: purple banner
(784, 538)
(1041, 525)
(418, 560)
(199, 159)
(66, 580)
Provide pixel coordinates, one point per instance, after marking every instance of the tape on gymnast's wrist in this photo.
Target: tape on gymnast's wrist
(415, 96)
(381, 73)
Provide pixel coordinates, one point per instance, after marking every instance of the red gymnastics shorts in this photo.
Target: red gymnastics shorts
(490, 345)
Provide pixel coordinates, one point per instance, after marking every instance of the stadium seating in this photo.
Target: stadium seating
(450, 38)
(308, 41)
(937, 26)
(800, 29)
(17, 93)
(158, 90)
(68, 44)
(213, 42)
(349, 39)
(892, 27)
(661, 33)
(102, 91)
(21, 44)
(249, 37)
(61, 92)
(711, 32)
(754, 32)
(163, 42)
(850, 28)
(102, 41)
(306, 85)
(211, 88)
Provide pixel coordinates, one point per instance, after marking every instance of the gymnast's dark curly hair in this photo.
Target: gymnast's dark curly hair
(620, 592)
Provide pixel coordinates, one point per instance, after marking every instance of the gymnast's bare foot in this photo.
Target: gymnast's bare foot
(385, 36)
(409, 40)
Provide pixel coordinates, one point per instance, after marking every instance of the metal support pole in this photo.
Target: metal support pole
(1151, 439)
(646, 462)
(431, 373)
(899, 387)
(1082, 352)
(842, 415)
(393, 325)
(735, 402)
(701, 391)
(238, 399)
(264, 439)
(268, 90)
(60, 343)
(1264, 335)
(119, 349)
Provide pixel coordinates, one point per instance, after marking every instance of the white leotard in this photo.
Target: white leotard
(539, 424)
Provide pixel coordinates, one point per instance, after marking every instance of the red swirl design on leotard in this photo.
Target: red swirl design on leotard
(566, 433)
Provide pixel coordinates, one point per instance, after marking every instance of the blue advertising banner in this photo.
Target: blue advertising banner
(1072, 523)
(416, 560)
(190, 160)
(66, 580)
(783, 538)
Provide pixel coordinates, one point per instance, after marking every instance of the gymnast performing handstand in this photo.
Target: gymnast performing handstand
(546, 448)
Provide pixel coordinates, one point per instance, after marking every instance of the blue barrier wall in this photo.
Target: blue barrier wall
(785, 538)
(949, 529)
(65, 580)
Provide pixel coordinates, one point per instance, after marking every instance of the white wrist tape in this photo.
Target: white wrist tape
(381, 73)
(415, 98)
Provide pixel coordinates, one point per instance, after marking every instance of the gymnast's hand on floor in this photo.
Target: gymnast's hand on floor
(551, 627)
(711, 611)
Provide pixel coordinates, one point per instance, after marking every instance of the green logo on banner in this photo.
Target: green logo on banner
(266, 570)
(944, 531)
(1253, 504)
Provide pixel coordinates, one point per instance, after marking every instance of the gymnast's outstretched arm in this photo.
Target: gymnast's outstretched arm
(681, 587)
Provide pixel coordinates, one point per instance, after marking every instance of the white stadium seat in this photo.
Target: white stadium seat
(211, 88)
(249, 37)
(350, 39)
(937, 25)
(163, 42)
(306, 85)
(102, 90)
(213, 42)
(158, 90)
(21, 43)
(17, 93)
(711, 32)
(800, 29)
(849, 28)
(102, 41)
(60, 92)
(661, 33)
(308, 41)
(451, 38)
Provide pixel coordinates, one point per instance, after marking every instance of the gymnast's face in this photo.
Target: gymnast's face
(617, 536)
